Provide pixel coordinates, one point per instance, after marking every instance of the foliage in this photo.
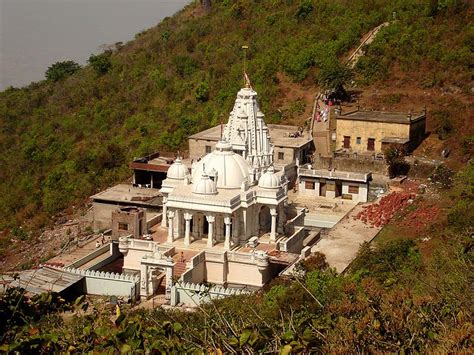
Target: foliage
(101, 62)
(395, 159)
(202, 92)
(62, 141)
(60, 70)
(445, 124)
(442, 176)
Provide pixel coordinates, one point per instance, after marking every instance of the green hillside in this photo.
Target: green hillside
(409, 291)
(64, 138)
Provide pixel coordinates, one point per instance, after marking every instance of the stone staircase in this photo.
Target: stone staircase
(178, 270)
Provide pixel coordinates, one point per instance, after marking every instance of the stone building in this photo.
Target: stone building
(129, 221)
(334, 184)
(369, 132)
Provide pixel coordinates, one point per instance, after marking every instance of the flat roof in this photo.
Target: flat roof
(46, 279)
(335, 175)
(382, 116)
(279, 135)
(129, 194)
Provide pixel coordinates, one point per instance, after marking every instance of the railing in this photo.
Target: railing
(240, 257)
(329, 174)
(147, 245)
(214, 256)
(297, 238)
(192, 294)
(104, 249)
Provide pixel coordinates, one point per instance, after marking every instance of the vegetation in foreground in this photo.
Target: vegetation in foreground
(64, 138)
(410, 293)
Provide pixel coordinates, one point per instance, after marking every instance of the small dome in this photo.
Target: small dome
(205, 186)
(229, 168)
(177, 170)
(269, 180)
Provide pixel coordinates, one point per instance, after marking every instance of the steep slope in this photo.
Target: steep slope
(63, 140)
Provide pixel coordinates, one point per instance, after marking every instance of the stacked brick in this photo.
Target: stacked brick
(379, 214)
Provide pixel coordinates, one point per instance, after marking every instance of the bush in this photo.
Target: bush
(60, 70)
(202, 92)
(101, 62)
(395, 159)
(442, 176)
(388, 259)
(445, 124)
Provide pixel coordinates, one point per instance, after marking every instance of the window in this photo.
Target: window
(358, 140)
(281, 155)
(208, 149)
(353, 189)
(309, 185)
(123, 226)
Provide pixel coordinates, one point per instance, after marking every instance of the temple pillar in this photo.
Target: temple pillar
(170, 227)
(210, 235)
(187, 231)
(164, 215)
(227, 221)
(273, 213)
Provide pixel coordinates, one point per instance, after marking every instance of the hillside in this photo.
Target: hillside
(63, 140)
(408, 291)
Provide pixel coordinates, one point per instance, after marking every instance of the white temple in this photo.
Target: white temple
(227, 212)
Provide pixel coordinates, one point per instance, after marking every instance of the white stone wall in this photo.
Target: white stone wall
(192, 294)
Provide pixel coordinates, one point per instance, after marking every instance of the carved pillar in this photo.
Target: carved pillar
(274, 214)
(187, 230)
(227, 221)
(165, 210)
(170, 227)
(169, 277)
(210, 236)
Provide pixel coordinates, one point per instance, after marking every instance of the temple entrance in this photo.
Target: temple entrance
(264, 220)
(199, 226)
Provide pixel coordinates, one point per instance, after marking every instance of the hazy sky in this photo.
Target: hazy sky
(36, 33)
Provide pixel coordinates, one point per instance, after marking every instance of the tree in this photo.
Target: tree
(60, 70)
(395, 159)
(202, 92)
(101, 62)
(333, 75)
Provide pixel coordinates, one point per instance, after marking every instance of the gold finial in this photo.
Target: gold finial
(246, 81)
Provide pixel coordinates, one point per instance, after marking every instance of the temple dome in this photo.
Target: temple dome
(205, 186)
(177, 170)
(229, 169)
(269, 180)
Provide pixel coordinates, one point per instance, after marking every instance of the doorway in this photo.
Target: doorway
(322, 188)
(347, 142)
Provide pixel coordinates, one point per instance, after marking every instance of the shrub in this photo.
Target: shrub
(305, 8)
(101, 62)
(387, 260)
(445, 124)
(60, 70)
(395, 159)
(442, 176)
(202, 92)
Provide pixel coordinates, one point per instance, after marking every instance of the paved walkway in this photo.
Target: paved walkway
(341, 243)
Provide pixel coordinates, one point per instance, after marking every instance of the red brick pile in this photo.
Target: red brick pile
(379, 214)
